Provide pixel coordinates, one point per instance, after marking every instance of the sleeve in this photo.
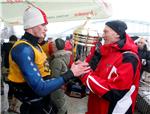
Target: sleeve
(23, 55)
(91, 54)
(146, 67)
(118, 82)
(148, 55)
(93, 58)
(144, 54)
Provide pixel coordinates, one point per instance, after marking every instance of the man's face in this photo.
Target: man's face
(141, 43)
(109, 35)
(39, 31)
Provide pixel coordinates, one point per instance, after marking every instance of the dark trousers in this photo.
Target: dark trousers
(31, 102)
(44, 106)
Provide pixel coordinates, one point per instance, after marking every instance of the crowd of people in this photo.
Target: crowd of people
(37, 71)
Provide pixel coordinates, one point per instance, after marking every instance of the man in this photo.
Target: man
(144, 54)
(142, 44)
(114, 79)
(6, 47)
(59, 65)
(29, 68)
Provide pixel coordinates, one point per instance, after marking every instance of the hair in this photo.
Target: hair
(13, 38)
(146, 43)
(60, 43)
(67, 38)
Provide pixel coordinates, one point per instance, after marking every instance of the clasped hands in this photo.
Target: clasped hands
(79, 68)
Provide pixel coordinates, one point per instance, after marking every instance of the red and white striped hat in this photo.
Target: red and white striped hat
(34, 16)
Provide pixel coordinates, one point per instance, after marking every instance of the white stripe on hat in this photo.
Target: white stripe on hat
(34, 16)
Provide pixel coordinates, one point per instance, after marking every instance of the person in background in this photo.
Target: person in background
(29, 69)
(59, 65)
(6, 47)
(114, 78)
(69, 47)
(144, 53)
(68, 43)
(142, 44)
(60, 58)
(50, 46)
(47, 46)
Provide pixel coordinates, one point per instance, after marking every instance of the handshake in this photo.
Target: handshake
(79, 68)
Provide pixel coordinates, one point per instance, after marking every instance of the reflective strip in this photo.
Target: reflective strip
(35, 100)
(94, 81)
(87, 81)
(48, 112)
(124, 104)
(113, 70)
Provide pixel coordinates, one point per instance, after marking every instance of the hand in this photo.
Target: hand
(78, 68)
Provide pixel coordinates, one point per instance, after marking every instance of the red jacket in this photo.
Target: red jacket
(68, 45)
(114, 84)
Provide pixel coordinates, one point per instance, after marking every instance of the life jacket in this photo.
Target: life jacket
(15, 75)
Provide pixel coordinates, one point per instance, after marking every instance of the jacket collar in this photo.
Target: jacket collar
(30, 38)
(122, 45)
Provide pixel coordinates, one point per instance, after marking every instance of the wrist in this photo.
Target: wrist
(68, 75)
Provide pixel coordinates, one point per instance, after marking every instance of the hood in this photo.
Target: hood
(122, 45)
(127, 44)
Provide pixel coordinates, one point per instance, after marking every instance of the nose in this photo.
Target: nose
(103, 35)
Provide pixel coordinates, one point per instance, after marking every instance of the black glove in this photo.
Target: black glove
(95, 60)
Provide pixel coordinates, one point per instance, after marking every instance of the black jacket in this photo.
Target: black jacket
(145, 54)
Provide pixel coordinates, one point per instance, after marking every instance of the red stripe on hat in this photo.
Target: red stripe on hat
(44, 16)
